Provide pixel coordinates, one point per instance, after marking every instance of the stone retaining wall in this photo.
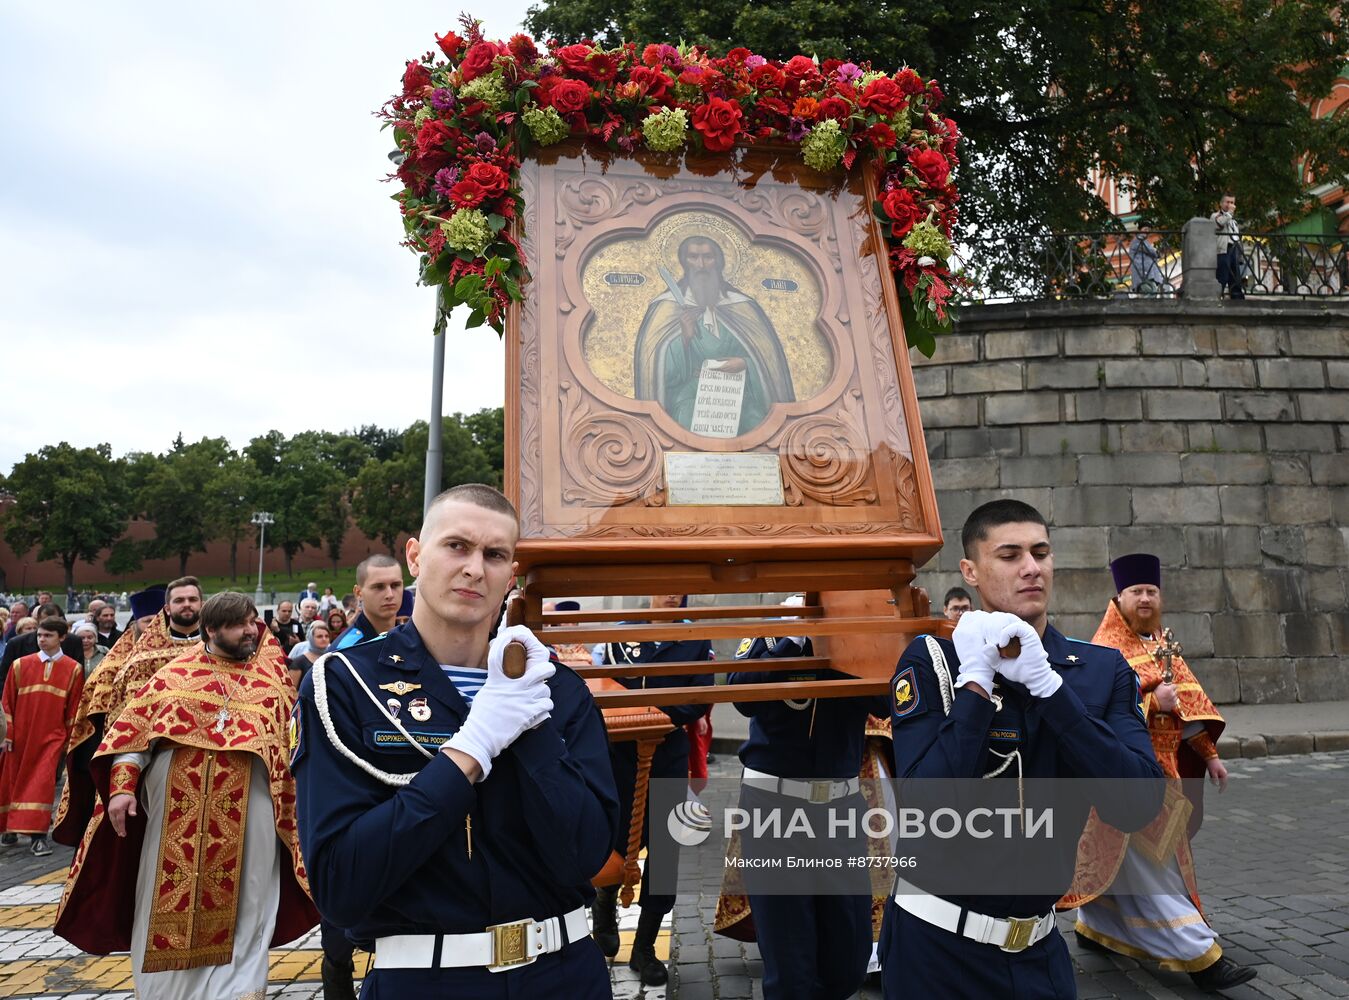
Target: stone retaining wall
(1213, 434)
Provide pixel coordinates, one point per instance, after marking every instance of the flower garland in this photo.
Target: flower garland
(467, 113)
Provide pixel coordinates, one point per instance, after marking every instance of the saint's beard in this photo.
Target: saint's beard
(705, 287)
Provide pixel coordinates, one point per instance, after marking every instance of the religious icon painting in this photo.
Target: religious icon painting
(710, 348)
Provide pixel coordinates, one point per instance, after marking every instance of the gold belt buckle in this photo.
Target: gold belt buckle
(821, 791)
(510, 943)
(1018, 937)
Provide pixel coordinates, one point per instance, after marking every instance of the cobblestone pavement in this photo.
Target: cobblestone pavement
(1273, 865)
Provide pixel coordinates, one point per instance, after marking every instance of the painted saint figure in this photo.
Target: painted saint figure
(700, 319)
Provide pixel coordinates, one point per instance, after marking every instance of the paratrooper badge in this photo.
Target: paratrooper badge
(906, 693)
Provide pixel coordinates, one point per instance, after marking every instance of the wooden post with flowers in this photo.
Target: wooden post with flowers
(702, 267)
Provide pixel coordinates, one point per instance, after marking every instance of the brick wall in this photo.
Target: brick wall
(1214, 435)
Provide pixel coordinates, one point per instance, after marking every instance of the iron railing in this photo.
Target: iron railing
(1282, 264)
(1112, 264)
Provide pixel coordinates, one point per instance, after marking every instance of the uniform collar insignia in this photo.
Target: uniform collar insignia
(395, 658)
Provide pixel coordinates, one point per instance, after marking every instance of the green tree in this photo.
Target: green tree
(488, 428)
(1181, 101)
(333, 517)
(231, 498)
(295, 475)
(387, 499)
(176, 497)
(69, 502)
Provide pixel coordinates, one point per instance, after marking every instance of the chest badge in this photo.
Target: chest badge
(395, 658)
(394, 706)
(401, 688)
(419, 709)
(1072, 659)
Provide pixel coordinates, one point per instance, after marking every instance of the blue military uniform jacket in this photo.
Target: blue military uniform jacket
(808, 738)
(1091, 727)
(388, 860)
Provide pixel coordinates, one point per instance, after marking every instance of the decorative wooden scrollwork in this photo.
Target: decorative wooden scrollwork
(609, 457)
(825, 458)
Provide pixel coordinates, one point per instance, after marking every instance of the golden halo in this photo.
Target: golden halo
(708, 225)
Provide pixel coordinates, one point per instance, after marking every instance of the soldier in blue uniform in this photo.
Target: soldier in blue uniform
(803, 753)
(450, 816)
(670, 760)
(1059, 708)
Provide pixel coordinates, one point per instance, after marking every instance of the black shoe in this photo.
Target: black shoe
(644, 961)
(8, 839)
(1222, 975)
(604, 913)
(338, 981)
(40, 847)
(1088, 944)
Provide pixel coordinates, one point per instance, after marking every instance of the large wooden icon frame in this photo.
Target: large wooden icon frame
(632, 473)
(591, 449)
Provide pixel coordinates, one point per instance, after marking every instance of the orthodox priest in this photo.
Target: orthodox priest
(165, 623)
(703, 321)
(1137, 892)
(198, 886)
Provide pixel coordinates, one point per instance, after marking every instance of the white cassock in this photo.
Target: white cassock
(245, 977)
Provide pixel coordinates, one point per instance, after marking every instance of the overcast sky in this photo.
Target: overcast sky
(194, 236)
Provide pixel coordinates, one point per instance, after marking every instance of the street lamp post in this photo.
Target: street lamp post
(261, 518)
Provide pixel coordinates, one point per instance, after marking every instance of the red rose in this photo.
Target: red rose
(467, 193)
(450, 44)
(415, 77)
(479, 60)
(738, 55)
(948, 145)
(931, 167)
(569, 96)
(524, 49)
(652, 82)
(573, 58)
(836, 108)
(882, 96)
(909, 82)
(719, 122)
(432, 136)
(651, 55)
(800, 68)
(767, 77)
(492, 179)
(899, 204)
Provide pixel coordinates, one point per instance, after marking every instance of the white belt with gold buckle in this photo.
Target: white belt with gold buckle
(1011, 934)
(500, 947)
(821, 790)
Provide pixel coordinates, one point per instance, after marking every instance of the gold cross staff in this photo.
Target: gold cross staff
(1165, 651)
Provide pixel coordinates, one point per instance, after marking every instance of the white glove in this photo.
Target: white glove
(974, 646)
(504, 707)
(1031, 666)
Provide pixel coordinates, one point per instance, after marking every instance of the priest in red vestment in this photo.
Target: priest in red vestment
(41, 694)
(195, 865)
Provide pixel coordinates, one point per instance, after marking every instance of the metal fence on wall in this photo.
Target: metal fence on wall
(1023, 267)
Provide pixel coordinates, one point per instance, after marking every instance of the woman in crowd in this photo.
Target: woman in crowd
(337, 622)
(93, 652)
(316, 641)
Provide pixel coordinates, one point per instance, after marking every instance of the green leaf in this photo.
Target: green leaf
(475, 319)
(496, 222)
(467, 286)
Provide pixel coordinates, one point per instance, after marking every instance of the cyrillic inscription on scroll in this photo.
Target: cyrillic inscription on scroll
(716, 408)
(715, 479)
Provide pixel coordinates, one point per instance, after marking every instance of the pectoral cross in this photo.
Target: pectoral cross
(221, 717)
(1164, 653)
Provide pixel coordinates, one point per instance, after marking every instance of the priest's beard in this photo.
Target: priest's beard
(185, 622)
(705, 287)
(240, 650)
